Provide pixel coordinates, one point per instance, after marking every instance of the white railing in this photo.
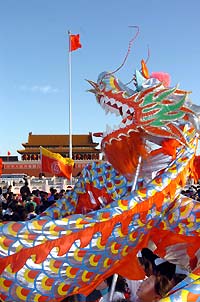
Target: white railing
(35, 183)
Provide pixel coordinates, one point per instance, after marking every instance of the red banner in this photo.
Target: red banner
(56, 164)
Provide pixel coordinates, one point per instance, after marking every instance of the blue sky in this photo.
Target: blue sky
(34, 81)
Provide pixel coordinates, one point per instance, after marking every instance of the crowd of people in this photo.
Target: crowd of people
(26, 205)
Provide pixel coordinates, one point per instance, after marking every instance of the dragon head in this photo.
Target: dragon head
(152, 112)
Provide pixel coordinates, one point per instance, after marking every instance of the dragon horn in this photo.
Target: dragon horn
(145, 71)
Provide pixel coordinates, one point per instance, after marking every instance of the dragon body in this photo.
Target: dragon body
(99, 227)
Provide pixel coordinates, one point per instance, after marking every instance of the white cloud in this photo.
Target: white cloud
(44, 89)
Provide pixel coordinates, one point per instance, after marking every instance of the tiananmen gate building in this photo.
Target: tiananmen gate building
(84, 150)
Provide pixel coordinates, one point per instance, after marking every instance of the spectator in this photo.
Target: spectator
(153, 289)
(30, 199)
(31, 211)
(25, 191)
(62, 193)
(44, 202)
(37, 197)
(9, 189)
(2, 198)
(51, 198)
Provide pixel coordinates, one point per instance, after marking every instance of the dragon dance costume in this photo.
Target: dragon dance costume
(64, 252)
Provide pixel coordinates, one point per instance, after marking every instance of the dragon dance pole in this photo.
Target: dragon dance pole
(137, 172)
(114, 281)
(115, 277)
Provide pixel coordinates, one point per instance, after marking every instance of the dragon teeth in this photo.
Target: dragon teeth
(122, 125)
(112, 101)
(106, 99)
(115, 111)
(131, 110)
(119, 104)
(125, 109)
(129, 122)
(102, 101)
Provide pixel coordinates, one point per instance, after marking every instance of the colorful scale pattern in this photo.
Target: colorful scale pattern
(53, 256)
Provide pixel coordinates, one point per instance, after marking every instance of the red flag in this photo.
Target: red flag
(74, 42)
(9, 153)
(55, 164)
(1, 166)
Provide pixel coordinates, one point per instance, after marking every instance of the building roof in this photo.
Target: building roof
(60, 150)
(59, 143)
(59, 140)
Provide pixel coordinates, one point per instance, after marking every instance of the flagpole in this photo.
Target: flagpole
(70, 98)
(73, 45)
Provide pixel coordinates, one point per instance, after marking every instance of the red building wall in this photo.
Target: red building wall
(32, 168)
